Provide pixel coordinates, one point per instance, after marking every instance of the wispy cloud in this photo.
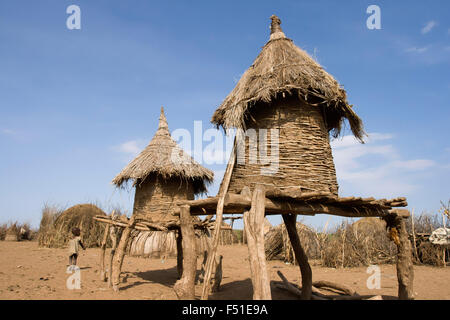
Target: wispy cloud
(132, 147)
(375, 168)
(417, 49)
(428, 27)
(8, 132)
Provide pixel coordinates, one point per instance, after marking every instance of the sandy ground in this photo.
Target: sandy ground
(30, 272)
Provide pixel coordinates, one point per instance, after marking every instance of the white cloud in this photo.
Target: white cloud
(376, 167)
(428, 27)
(417, 49)
(132, 147)
(419, 164)
(8, 132)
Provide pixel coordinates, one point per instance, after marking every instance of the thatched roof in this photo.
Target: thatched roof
(164, 157)
(283, 69)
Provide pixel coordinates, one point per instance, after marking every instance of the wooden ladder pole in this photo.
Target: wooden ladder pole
(219, 218)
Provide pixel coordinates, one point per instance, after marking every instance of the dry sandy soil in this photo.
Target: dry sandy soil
(30, 272)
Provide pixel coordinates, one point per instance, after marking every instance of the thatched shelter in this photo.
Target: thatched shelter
(162, 174)
(286, 89)
(56, 227)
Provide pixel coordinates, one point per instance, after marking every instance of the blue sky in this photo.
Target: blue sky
(77, 105)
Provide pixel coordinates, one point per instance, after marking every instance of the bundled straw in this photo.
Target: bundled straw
(55, 228)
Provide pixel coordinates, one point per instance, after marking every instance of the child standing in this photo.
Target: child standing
(74, 245)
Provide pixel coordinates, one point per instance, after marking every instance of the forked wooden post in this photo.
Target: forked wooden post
(405, 269)
(179, 254)
(113, 234)
(103, 252)
(185, 287)
(254, 222)
(290, 221)
(120, 254)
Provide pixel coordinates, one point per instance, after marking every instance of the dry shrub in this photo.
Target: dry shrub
(15, 231)
(363, 243)
(3, 229)
(427, 252)
(360, 244)
(278, 246)
(56, 225)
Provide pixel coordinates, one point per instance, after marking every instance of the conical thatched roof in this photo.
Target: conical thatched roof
(283, 69)
(164, 157)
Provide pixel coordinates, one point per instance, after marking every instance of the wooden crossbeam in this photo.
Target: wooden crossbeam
(310, 204)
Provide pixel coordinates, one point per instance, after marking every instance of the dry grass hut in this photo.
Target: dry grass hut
(286, 89)
(162, 175)
(278, 246)
(56, 226)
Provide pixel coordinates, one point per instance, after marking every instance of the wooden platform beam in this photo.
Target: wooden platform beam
(237, 203)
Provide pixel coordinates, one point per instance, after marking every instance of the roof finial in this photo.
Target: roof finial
(163, 121)
(275, 28)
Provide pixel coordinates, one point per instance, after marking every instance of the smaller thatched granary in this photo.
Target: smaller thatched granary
(162, 174)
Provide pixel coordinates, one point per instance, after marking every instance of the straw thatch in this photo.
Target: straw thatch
(56, 227)
(165, 158)
(161, 244)
(283, 69)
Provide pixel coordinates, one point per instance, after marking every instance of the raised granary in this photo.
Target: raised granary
(286, 90)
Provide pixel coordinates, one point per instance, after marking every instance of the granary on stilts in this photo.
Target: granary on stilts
(285, 107)
(163, 175)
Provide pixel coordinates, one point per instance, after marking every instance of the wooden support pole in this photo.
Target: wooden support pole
(120, 254)
(185, 287)
(179, 254)
(103, 252)
(405, 269)
(219, 218)
(113, 234)
(300, 255)
(217, 274)
(254, 222)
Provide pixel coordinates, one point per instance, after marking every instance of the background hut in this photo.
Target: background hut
(162, 174)
(286, 89)
(56, 227)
